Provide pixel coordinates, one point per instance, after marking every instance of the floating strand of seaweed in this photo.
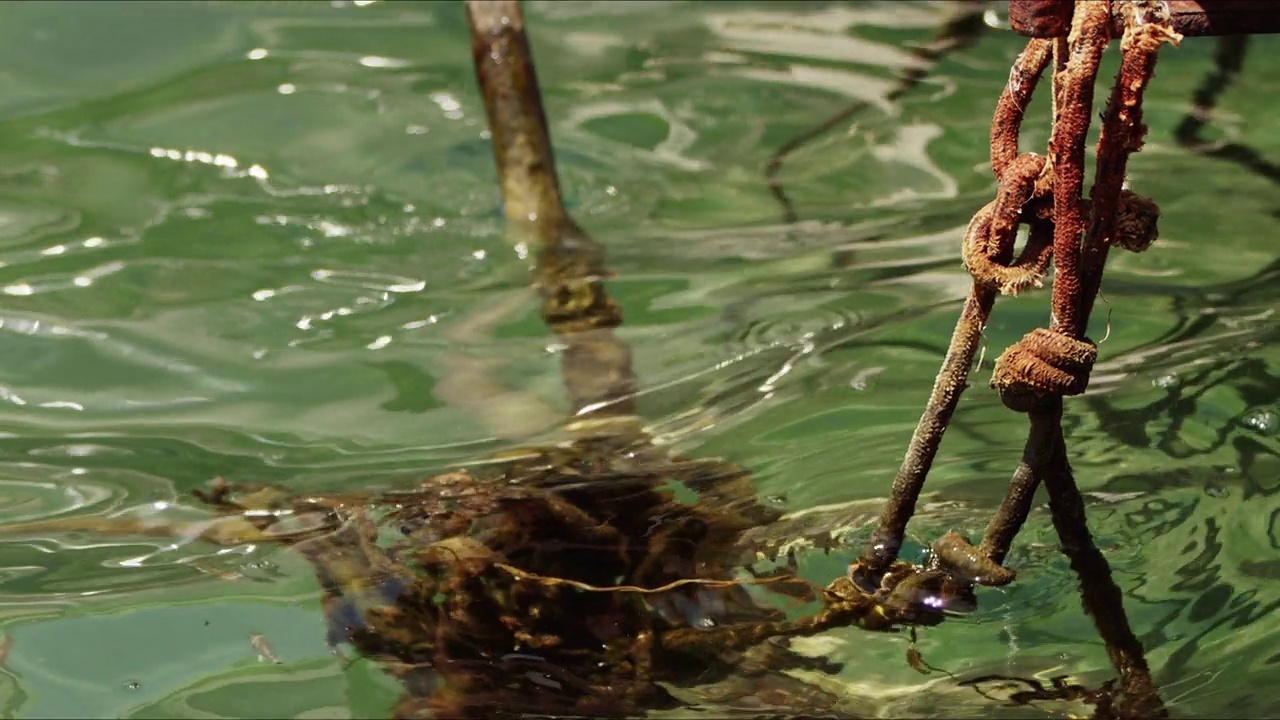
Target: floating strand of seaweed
(635, 589)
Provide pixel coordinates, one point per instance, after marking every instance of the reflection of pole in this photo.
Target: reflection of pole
(1099, 594)
(596, 364)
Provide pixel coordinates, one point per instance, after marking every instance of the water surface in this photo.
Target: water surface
(263, 241)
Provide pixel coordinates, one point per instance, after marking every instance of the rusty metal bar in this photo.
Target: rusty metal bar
(1191, 18)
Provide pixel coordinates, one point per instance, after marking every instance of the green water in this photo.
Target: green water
(263, 241)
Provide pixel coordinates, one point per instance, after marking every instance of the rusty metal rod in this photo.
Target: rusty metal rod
(1191, 18)
(521, 143)
(595, 363)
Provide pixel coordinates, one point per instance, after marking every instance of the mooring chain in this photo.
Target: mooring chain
(1055, 362)
(988, 256)
(1047, 364)
(1044, 192)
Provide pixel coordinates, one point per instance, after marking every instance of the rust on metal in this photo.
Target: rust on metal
(1190, 18)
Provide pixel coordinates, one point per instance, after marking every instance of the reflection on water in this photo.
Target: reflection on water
(252, 240)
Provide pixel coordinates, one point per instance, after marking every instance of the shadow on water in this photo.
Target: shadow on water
(1228, 62)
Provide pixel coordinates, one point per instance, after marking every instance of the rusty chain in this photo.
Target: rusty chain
(1045, 193)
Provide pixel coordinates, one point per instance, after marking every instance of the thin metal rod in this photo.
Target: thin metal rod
(595, 363)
